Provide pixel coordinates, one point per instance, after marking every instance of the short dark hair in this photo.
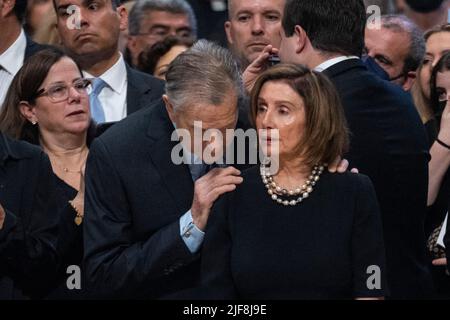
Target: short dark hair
(142, 8)
(333, 26)
(326, 135)
(148, 59)
(20, 8)
(424, 6)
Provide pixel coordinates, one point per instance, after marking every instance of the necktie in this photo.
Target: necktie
(97, 112)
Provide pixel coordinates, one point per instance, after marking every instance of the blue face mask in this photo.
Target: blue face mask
(375, 68)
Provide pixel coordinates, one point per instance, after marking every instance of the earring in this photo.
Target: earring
(33, 122)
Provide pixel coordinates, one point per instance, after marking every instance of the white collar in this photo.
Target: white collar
(12, 59)
(329, 63)
(115, 77)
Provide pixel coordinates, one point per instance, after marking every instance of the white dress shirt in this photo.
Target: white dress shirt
(329, 63)
(114, 96)
(10, 62)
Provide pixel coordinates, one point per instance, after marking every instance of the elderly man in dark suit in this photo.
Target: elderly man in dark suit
(15, 45)
(388, 141)
(91, 37)
(145, 214)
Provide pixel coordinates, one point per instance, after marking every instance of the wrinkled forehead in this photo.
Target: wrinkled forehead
(255, 6)
(58, 4)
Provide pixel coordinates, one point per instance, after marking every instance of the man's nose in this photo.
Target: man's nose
(258, 26)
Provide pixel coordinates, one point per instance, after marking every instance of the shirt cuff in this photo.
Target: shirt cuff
(191, 235)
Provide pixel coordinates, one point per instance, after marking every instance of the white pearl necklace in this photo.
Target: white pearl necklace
(276, 192)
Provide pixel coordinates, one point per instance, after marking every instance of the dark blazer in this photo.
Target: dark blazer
(388, 143)
(28, 237)
(33, 47)
(142, 90)
(135, 196)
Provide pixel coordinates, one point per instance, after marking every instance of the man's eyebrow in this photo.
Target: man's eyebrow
(246, 11)
(185, 28)
(63, 7)
(162, 26)
(88, 2)
(268, 11)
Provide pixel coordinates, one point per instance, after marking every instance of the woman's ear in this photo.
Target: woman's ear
(28, 111)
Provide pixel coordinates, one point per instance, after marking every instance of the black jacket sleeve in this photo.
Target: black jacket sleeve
(368, 253)
(28, 238)
(216, 277)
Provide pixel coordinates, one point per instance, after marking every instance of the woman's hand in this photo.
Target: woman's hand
(444, 131)
(440, 262)
(340, 165)
(78, 201)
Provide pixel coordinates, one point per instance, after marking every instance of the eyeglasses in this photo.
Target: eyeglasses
(162, 33)
(60, 91)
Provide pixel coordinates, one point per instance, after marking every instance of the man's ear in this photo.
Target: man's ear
(228, 32)
(301, 39)
(169, 107)
(7, 7)
(28, 111)
(410, 79)
(123, 18)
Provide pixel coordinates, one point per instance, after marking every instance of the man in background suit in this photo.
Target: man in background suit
(388, 142)
(145, 214)
(151, 21)
(91, 38)
(15, 46)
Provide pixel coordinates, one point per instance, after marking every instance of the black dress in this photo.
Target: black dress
(69, 246)
(322, 248)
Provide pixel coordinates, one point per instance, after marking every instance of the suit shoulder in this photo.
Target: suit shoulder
(129, 130)
(348, 180)
(134, 123)
(144, 78)
(34, 47)
(22, 150)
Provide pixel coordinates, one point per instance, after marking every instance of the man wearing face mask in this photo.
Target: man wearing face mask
(397, 46)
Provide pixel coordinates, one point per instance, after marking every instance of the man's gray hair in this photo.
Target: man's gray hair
(142, 7)
(205, 73)
(416, 52)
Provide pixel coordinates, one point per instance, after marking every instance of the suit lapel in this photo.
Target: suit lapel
(177, 178)
(136, 91)
(32, 47)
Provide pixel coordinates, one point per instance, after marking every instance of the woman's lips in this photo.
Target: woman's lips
(75, 113)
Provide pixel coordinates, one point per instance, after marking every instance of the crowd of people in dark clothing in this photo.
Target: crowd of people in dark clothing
(117, 120)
